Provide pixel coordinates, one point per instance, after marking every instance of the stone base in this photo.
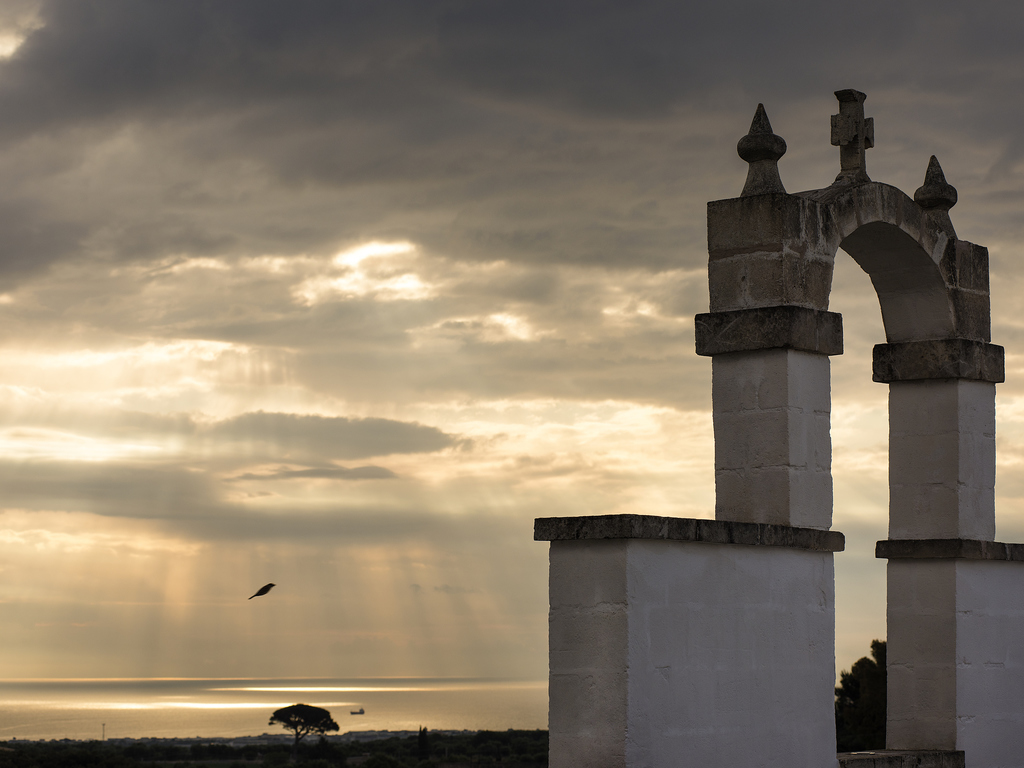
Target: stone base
(690, 642)
(893, 758)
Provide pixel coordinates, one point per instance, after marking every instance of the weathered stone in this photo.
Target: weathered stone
(971, 267)
(972, 317)
(758, 224)
(936, 196)
(852, 133)
(886, 758)
(935, 192)
(685, 529)
(762, 149)
(963, 549)
(912, 294)
(938, 359)
(769, 279)
(851, 207)
(786, 327)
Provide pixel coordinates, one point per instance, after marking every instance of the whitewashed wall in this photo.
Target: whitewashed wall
(672, 653)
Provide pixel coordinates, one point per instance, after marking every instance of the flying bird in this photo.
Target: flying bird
(263, 590)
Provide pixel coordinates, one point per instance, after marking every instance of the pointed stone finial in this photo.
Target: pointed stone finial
(853, 134)
(936, 196)
(935, 192)
(762, 149)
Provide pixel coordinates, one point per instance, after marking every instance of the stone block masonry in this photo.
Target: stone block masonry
(942, 459)
(773, 451)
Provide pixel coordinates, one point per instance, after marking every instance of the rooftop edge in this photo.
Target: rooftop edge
(685, 529)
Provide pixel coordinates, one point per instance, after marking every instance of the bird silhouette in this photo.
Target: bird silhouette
(263, 590)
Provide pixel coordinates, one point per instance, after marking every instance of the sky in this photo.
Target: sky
(343, 295)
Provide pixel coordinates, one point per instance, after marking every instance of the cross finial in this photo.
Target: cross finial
(853, 134)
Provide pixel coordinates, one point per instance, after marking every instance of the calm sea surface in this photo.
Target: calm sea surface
(79, 709)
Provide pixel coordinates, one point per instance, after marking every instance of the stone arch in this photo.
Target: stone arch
(715, 639)
(769, 332)
(893, 240)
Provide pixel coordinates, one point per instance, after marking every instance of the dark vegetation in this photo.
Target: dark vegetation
(860, 703)
(513, 749)
(302, 719)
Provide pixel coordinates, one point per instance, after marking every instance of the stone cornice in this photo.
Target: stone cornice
(685, 529)
(946, 549)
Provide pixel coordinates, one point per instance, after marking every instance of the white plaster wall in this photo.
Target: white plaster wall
(587, 646)
(731, 656)
(942, 459)
(669, 654)
(955, 659)
(920, 654)
(990, 663)
(773, 449)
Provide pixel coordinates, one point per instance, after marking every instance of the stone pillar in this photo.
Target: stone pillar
(773, 450)
(955, 656)
(942, 450)
(955, 609)
(942, 459)
(770, 258)
(690, 642)
(770, 334)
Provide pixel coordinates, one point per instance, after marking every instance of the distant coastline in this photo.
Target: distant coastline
(238, 708)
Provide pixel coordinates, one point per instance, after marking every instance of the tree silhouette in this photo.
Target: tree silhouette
(422, 745)
(302, 720)
(860, 703)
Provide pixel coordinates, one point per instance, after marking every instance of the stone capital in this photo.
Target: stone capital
(948, 549)
(784, 327)
(938, 359)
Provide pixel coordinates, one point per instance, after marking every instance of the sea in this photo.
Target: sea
(208, 708)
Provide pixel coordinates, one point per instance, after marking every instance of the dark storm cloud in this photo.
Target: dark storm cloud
(33, 237)
(94, 59)
(541, 132)
(125, 59)
(538, 133)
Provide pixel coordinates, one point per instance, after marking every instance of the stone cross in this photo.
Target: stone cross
(853, 134)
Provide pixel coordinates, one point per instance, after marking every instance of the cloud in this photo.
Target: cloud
(34, 421)
(329, 437)
(321, 473)
(99, 58)
(536, 132)
(110, 489)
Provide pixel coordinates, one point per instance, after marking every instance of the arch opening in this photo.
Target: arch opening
(911, 292)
